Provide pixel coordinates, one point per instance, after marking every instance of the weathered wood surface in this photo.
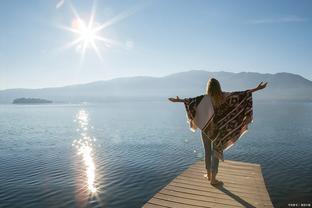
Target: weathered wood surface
(243, 186)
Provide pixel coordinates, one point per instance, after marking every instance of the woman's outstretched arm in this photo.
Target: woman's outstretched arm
(177, 100)
(259, 87)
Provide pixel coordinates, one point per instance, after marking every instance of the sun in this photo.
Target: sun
(87, 34)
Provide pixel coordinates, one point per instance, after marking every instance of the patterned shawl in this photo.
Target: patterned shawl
(230, 119)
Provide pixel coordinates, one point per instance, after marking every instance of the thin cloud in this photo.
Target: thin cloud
(285, 19)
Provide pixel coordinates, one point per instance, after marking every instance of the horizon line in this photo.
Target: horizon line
(147, 76)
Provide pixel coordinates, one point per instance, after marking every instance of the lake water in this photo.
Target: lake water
(120, 154)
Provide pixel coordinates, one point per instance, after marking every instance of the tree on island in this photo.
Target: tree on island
(30, 101)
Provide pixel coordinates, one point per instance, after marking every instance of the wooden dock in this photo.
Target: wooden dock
(243, 186)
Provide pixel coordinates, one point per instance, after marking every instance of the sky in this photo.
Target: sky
(150, 38)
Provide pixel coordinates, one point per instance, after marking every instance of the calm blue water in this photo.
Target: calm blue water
(120, 154)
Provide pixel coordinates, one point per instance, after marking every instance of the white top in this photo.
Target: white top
(204, 112)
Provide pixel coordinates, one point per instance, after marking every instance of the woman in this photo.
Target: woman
(216, 135)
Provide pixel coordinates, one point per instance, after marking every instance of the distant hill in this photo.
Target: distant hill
(282, 86)
(30, 101)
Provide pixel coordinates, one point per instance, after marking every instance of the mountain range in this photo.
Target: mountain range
(281, 86)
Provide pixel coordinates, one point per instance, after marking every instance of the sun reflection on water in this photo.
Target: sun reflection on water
(84, 148)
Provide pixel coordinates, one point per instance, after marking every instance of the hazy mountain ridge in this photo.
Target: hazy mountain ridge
(282, 86)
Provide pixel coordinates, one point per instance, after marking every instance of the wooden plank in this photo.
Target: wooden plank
(231, 181)
(247, 186)
(196, 197)
(216, 190)
(222, 166)
(243, 186)
(214, 193)
(150, 205)
(179, 199)
(234, 162)
(166, 203)
(210, 194)
(223, 171)
(229, 166)
(234, 179)
(253, 177)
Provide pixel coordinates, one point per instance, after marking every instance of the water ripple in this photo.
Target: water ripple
(136, 152)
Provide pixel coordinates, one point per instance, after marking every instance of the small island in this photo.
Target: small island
(31, 101)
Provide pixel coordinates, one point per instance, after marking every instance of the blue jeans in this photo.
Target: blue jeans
(211, 160)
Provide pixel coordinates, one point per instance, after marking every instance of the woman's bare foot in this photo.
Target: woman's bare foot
(216, 182)
(208, 175)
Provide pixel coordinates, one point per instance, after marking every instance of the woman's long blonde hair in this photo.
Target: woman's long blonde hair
(214, 90)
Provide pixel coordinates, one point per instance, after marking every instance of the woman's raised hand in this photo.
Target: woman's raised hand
(259, 87)
(262, 85)
(177, 100)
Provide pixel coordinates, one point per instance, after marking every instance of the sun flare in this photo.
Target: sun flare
(87, 34)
